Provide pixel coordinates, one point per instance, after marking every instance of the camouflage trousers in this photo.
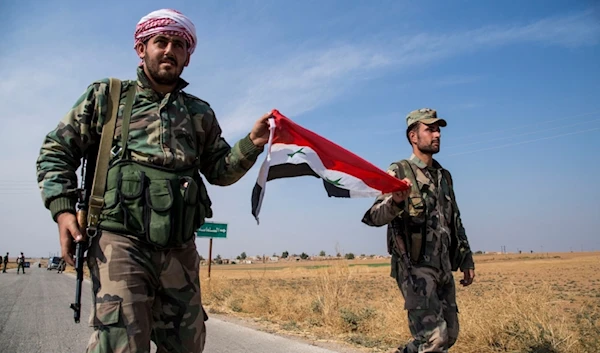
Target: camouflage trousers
(431, 308)
(142, 294)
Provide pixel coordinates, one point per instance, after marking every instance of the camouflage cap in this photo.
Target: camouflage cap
(424, 115)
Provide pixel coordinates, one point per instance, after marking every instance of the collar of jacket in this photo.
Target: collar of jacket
(144, 83)
(419, 163)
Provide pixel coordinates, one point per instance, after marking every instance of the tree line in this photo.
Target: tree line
(286, 254)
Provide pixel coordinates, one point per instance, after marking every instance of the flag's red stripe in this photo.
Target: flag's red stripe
(333, 156)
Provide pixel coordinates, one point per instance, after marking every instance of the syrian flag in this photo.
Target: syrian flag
(295, 151)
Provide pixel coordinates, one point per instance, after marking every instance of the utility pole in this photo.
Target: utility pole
(209, 255)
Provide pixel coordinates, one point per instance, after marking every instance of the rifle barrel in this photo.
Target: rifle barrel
(79, 250)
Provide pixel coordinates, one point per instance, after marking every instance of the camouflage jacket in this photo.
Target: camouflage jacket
(443, 216)
(161, 133)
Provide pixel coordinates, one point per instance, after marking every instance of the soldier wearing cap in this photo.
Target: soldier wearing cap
(426, 219)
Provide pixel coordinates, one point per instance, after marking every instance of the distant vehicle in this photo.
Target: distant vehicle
(53, 263)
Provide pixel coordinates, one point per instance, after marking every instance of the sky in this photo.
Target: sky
(517, 82)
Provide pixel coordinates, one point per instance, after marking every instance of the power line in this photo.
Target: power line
(532, 124)
(524, 134)
(524, 142)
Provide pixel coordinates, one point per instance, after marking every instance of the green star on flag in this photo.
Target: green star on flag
(297, 152)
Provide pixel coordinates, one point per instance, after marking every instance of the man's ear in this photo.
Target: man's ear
(140, 49)
(412, 136)
(187, 60)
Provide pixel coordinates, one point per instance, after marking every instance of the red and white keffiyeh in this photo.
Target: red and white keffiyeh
(169, 22)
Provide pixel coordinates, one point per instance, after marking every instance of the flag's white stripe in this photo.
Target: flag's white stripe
(279, 154)
(264, 168)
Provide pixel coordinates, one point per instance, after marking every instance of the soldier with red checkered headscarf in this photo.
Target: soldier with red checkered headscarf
(166, 21)
(143, 262)
(160, 28)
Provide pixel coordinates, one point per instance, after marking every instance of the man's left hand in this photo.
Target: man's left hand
(469, 275)
(260, 131)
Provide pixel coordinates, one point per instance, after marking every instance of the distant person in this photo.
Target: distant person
(21, 263)
(61, 265)
(426, 220)
(5, 262)
(144, 262)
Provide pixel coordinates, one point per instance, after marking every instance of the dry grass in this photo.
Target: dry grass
(534, 303)
(519, 303)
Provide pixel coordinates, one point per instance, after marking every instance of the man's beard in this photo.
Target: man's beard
(429, 149)
(162, 77)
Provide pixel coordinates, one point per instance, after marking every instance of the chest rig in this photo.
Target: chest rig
(160, 206)
(413, 227)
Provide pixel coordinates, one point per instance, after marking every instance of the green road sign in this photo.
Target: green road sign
(212, 230)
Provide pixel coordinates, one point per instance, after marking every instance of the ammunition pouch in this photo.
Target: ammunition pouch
(417, 215)
(163, 208)
(416, 240)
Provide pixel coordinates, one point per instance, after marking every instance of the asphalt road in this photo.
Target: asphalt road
(35, 317)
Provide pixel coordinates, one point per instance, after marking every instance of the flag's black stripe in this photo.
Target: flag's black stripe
(334, 191)
(289, 170)
(255, 198)
(279, 171)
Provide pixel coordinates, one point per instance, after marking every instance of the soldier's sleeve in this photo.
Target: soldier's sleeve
(385, 209)
(468, 262)
(222, 164)
(62, 149)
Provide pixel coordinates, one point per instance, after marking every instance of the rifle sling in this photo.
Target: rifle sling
(96, 202)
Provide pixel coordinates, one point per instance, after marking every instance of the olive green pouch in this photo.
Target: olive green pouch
(159, 212)
(130, 187)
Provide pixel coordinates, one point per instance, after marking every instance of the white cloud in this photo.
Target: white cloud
(455, 80)
(301, 81)
(298, 84)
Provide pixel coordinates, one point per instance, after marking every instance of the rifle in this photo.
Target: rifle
(87, 173)
(401, 247)
(93, 182)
